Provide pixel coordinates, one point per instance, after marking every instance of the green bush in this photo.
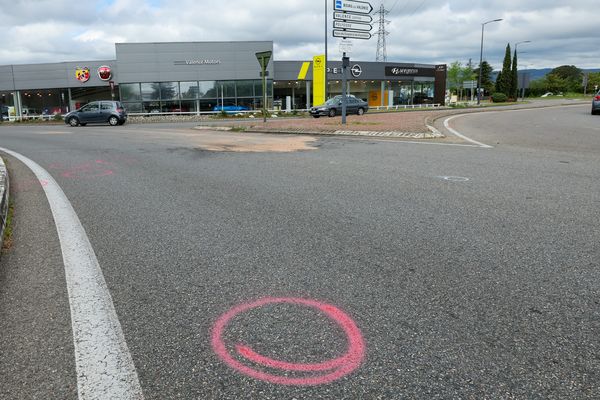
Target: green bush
(499, 98)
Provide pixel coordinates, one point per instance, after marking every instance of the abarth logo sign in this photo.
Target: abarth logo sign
(82, 74)
(104, 73)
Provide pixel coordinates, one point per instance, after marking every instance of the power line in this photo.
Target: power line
(416, 9)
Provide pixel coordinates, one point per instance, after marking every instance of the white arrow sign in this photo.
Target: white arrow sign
(359, 7)
(351, 34)
(352, 25)
(365, 19)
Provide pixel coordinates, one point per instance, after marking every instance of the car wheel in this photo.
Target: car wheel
(316, 116)
(332, 112)
(113, 121)
(360, 111)
(73, 121)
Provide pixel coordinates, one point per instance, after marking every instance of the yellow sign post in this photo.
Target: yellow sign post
(319, 73)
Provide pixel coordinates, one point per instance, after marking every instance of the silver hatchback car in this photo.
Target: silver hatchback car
(596, 104)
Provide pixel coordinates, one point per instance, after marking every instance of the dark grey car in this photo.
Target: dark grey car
(596, 104)
(333, 107)
(98, 112)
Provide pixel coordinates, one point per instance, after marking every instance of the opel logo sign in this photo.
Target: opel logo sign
(356, 70)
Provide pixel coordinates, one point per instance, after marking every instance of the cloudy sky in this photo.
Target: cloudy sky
(425, 31)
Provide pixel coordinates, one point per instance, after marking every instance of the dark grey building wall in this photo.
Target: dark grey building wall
(164, 62)
(288, 70)
(52, 75)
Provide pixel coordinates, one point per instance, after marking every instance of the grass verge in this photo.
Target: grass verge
(8, 233)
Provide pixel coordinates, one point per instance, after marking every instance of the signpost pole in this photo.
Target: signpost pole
(326, 34)
(351, 20)
(345, 64)
(264, 87)
(263, 59)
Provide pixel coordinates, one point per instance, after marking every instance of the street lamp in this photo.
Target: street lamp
(481, 59)
(516, 55)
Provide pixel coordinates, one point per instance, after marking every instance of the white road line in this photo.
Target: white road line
(105, 369)
(454, 132)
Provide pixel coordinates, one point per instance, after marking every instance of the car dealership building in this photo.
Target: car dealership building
(195, 77)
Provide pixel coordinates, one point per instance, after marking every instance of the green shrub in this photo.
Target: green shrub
(57, 117)
(499, 98)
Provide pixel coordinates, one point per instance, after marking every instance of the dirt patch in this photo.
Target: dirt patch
(253, 142)
(412, 121)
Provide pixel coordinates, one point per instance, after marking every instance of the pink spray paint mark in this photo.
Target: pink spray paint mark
(332, 369)
(88, 170)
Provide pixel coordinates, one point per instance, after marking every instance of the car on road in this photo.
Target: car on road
(596, 104)
(333, 107)
(98, 112)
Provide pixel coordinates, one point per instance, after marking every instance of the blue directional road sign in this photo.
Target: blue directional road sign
(353, 6)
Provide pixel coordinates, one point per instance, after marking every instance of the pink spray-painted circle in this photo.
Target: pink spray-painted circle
(323, 372)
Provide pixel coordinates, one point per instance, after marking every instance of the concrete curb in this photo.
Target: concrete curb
(4, 192)
(434, 134)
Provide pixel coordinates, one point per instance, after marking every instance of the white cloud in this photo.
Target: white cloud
(431, 31)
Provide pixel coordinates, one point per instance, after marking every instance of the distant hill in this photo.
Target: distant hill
(540, 73)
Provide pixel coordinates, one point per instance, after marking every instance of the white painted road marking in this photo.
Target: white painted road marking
(105, 369)
(454, 178)
(447, 126)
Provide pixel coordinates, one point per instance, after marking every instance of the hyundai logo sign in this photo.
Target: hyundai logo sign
(356, 70)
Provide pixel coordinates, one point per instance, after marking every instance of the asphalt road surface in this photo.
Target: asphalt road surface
(320, 268)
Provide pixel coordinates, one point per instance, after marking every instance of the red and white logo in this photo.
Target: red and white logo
(104, 73)
(82, 74)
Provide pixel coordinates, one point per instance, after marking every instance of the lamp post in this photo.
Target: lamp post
(517, 54)
(481, 59)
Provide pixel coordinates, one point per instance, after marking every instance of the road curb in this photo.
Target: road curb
(4, 193)
(433, 134)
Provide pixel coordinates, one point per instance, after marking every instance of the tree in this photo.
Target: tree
(467, 73)
(572, 75)
(499, 82)
(504, 81)
(568, 72)
(514, 82)
(486, 76)
(454, 76)
(593, 82)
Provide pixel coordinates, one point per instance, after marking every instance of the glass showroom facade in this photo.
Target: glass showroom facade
(196, 77)
(192, 96)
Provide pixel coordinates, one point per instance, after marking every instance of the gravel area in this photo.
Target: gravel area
(413, 121)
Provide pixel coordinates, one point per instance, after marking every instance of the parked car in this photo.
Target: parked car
(333, 107)
(596, 104)
(230, 109)
(98, 112)
(422, 98)
(4, 113)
